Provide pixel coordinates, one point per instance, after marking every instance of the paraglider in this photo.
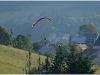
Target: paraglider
(45, 38)
(39, 20)
(35, 22)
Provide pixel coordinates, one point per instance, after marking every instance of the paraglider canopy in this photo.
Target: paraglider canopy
(34, 23)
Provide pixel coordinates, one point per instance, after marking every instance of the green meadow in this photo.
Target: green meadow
(12, 60)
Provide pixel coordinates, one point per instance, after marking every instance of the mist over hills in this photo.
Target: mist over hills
(66, 16)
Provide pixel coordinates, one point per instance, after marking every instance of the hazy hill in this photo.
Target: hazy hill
(65, 16)
(12, 60)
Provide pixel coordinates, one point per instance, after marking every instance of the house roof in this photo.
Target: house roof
(52, 34)
(66, 37)
(97, 53)
(46, 49)
(79, 39)
(92, 36)
(97, 43)
(89, 51)
(93, 57)
(82, 46)
(96, 59)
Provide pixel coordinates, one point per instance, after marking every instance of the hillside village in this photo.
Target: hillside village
(89, 44)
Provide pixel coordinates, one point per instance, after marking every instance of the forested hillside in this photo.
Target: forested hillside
(66, 17)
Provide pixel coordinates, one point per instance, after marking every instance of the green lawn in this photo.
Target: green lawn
(12, 60)
(98, 69)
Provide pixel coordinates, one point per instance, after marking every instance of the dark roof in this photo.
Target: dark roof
(97, 43)
(47, 49)
(78, 39)
(92, 57)
(92, 36)
(97, 53)
(89, 51)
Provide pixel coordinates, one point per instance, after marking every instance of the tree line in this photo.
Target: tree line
(73, 63)
(21, 41)
(7, 38)
(24, 42)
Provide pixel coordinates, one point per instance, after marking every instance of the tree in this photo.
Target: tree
(6, 38)
(79, 64)
(51, 55)
(34, 70)
(23, 42)
(87, 29)
(28, 62)
(46, 66)
(28, 43)
(36, 46)
(58, 64)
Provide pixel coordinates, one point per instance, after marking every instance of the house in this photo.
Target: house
(96, 60)
(65, 38)
(97, 43)
(48, 49)
(58, 39)
(82, 46)
(62, 39)
(89, 51)
(96, 57)
(97, 53)
(94, 53)
(91, 39)
(78, 39)
(51, 37)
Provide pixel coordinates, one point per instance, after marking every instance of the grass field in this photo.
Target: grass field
(12, 60)
(98, 69)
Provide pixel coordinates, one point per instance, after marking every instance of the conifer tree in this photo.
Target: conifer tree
(46, 66)
(58, 64)
(79, 64)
